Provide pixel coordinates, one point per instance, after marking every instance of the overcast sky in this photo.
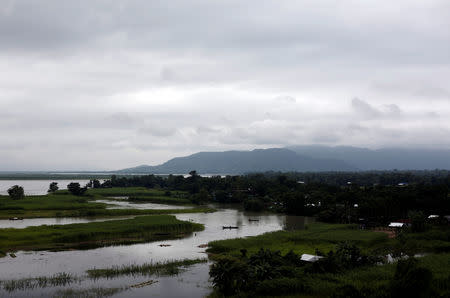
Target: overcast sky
(96, 84)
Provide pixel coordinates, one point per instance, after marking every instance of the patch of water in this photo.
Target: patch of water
(193, 283)
(36, 187)
(122, 204)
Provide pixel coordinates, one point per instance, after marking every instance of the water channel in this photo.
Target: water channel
(194, 282)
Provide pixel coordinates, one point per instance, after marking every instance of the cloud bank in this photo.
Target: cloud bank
(105, 85)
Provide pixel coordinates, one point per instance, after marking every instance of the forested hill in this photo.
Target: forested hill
(381, 159)
(240, 162)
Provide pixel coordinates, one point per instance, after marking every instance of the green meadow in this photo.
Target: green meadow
(317, 236)
(95, 234)
(146, 269)
(370, 280)
(63, 204)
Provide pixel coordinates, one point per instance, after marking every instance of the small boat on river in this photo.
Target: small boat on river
(229, 227)
(250, 219)
(16, 218)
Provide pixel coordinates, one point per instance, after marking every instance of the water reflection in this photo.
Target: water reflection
(193, 283)
(118, 204)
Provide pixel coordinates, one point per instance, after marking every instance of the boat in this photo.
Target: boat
(229, 227)
(250, 219)
(16, 218)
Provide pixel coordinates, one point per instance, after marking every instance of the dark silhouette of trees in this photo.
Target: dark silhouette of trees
(16, 192)
(75, 189)
(53, 187)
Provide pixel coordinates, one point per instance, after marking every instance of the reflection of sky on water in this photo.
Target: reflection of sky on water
(195, 280)
(138, 205)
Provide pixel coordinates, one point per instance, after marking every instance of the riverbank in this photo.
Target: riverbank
(90, 235)
(350, 263)
(63, 204)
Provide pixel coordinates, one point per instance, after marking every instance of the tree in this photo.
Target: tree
(75, 189)
(96, 183)
(16, 192)
(53, 187)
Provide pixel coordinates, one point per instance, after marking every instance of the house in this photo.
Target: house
(397, 225)
(310, 258)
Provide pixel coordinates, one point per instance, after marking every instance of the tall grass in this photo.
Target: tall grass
(88, 293)
(59, 279)
(49, 202)
(57, 237)
(146, 269)
(63, 204)
(131, 191)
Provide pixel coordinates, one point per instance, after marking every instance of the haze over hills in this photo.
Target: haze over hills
(239, 162)
(380, 159)
(310, 158)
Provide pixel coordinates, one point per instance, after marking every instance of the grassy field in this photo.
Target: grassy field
(130, 191)
(371, 278)
(147, 269)
(60, 237)
(317, 236)
(368, 279)
(63, 204)
(48, 202)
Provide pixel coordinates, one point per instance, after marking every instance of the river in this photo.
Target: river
(194, 282)
(36, 187)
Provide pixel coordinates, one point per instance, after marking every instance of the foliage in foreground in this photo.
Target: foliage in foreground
(344, 273)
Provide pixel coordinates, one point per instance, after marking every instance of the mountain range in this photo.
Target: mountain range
(310, 158)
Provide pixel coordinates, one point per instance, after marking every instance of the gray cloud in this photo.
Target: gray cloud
(104, 85)
(364, 109)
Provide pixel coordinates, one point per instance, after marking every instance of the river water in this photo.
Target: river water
(36, 187)
(194, 282)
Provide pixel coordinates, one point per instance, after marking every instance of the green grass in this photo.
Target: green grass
(95, 234)
(368, 279)
(376, 277)
(131, 191)
(125, 212)
(59, 279)
(317, 236)
(62, 204)
(146, 269)
(88, 293)
(47, 202)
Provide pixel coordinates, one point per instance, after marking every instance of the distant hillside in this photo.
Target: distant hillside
(239, 162)
(381, 159)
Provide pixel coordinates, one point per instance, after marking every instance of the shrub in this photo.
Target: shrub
(16, 192)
